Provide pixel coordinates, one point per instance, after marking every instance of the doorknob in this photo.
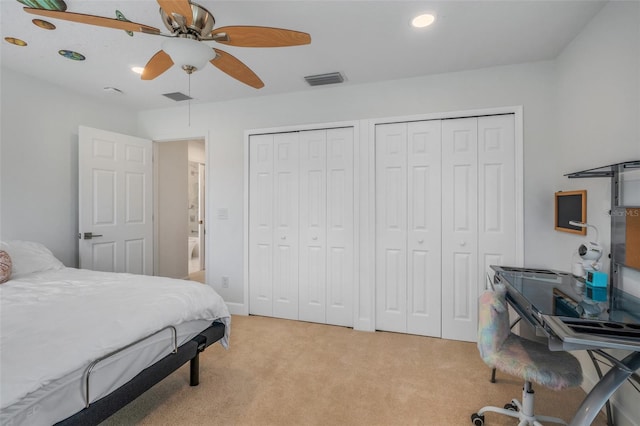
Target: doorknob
(90, 235)
(463, 243)
(420, 241)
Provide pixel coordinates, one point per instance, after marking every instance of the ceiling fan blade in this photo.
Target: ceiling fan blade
(93, 20)
(159, 63)
(250, 36)
(180, 7)
(235, 68)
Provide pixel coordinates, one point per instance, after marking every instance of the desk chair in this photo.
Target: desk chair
(531, 361)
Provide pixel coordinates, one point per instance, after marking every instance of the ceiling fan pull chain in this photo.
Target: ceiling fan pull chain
(189, 100)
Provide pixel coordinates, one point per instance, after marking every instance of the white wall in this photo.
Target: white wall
(529, 85)
(598, 123)
(39, 159)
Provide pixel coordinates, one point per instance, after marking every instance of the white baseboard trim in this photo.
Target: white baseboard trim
(237, 308)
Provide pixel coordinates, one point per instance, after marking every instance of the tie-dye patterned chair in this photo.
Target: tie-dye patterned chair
(512, 354)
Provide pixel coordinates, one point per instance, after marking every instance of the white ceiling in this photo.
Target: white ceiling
(366, 41)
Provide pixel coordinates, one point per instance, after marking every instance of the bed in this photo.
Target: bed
(77, 345)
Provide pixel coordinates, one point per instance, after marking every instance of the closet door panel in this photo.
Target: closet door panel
(459, 228)
(391, 227)
(340, 227)
(261, 227)
(313, 212)
(496, 192)
(285, 275)
(423, 223)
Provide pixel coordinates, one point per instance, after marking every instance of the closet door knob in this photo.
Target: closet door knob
(463, 243)
(314, 238)
(420, 241)
(283, 237)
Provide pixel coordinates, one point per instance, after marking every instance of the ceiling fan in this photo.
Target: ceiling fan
(190, 25)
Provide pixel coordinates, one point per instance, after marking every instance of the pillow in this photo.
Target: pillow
(28, 257)
(5, 266)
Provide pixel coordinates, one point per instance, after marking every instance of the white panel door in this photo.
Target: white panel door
(115, 202)
(313, 230)
(285, 257)
(340, 227)
(326, 226)
(460, 229)
(391, 227)
(423, 228)
(261, 225)
(496, 193)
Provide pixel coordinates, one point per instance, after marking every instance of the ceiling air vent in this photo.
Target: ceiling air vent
(177, 96)
(322, 79)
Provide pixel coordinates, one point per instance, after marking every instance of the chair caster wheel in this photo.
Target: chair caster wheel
(511, 407)
(477, 419)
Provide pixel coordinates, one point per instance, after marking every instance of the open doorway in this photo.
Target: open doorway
(179, 207)
(195, 252)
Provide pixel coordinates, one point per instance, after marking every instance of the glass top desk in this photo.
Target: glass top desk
(556, 305)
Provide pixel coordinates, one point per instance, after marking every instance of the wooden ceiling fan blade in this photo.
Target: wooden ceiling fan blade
(232, 66)
(251, 36)
(159, 63)
(93, 20)
(180, 7)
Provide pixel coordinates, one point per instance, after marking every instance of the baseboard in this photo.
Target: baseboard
(237, 308)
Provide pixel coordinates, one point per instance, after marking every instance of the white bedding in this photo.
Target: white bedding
(54, 322)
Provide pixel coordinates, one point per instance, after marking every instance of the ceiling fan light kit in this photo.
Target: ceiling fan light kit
(188, 54)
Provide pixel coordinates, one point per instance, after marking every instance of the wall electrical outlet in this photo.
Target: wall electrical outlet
(225, 282)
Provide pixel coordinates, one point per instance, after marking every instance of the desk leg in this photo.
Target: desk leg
(603, 390)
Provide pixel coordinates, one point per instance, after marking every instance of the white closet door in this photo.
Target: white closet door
(391, 227)
(261, 226)
(460, 229)
(313, 213)
(496, 192)
(423, 233)
(285, 265)
(326, 226)
(340, 227)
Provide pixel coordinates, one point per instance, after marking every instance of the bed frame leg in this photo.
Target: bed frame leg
(195, 361)
(194, 379)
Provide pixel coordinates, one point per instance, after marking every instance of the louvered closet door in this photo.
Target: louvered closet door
(326, 226)
(285, 258)
(261, 226)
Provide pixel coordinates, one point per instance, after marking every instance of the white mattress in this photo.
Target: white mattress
(53, 324)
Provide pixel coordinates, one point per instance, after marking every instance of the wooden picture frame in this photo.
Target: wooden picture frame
(570, 206)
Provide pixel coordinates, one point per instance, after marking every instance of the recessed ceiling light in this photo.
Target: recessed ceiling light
(424, 20)
(137, 70)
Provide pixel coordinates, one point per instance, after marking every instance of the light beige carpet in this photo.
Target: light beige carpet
(197, 276)
(279, 372)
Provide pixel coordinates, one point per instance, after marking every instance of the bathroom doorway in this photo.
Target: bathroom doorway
(195, 253)
(179, 204)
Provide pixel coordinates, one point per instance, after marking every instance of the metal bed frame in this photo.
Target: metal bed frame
(99, 410)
